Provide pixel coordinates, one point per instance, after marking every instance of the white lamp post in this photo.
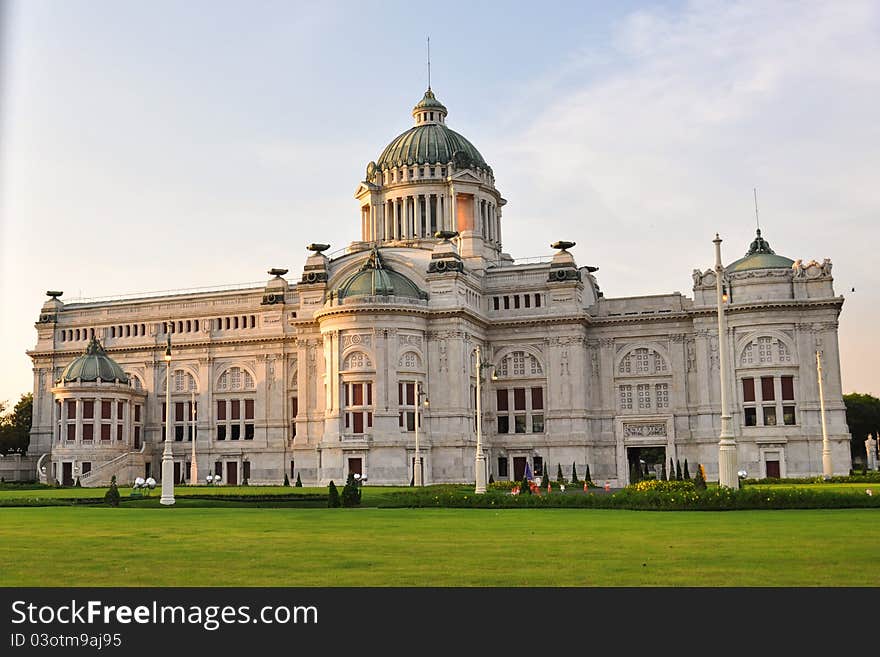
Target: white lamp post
(727, 474)
(827, 466)
(193, 468)
(167, 456)
(480, 457)
(417, 465)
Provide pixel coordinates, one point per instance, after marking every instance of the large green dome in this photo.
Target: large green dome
(760, 256)
(92, 365)
(430, 141)
(376, 279)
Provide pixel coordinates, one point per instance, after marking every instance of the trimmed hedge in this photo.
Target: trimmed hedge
(655, 499)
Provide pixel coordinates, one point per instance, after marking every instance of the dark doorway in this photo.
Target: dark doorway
(232, 473)
(646, 458)
(772, 469)
(519, 467)
(355, 466)
(67, 474)
(177, 472)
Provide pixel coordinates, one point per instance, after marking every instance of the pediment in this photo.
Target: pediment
(365, 187)
(465, 177)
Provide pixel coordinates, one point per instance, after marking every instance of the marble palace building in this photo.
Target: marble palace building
(318, 374)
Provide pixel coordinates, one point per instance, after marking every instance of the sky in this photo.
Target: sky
(164, 145)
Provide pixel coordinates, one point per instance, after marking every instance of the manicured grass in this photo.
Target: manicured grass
(832, 488)
(183, 546)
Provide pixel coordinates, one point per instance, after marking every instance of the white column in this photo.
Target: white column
(452, 209)
(727, 459)
(113, 420)
(79, 422)
(827, 465)
(397, 226)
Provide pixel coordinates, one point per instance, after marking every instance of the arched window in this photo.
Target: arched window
(765, 350)
(410, 361)
(235, 378)
(642, 361)
(357, 360)
(518, 364)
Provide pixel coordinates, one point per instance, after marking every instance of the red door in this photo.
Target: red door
(354, 466)
(232, 473)
(67, 474)
(773, 469)
(519, 467)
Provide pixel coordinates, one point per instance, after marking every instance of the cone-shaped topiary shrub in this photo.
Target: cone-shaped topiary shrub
(286, 480)
(111, 497)
(299, 483)
(574, 475)
(333, 497)
(351, 494)
(687, 475)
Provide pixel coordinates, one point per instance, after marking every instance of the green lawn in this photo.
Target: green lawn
(78, 546)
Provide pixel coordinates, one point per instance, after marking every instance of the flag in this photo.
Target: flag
(528, 473)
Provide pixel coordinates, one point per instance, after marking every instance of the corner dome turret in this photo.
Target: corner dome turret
(375, 278)
(92, 365)
(760, 256)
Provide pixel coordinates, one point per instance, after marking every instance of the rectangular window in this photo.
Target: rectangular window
(506, 303)
(292, 469)
(661, 392)
(767, 391)
(410, 420)
(236, 432)
(88, 431)
(538, 466)
(105, 432)
(178, 433)
(86, 467)
(235, 411)
(787, 388)
(249, 432)
(120, 409)
(503, 424)
(502, 466)
(106, 410)
(644, 393)
(71, 432)
(357, 394)
(71, 409)
(178, 411)
(788, 415)
(748, 390)
(528, 301)
(537, 423)
(501, 396)
(520, 423)
(494, 303)
(221, 409)
(519, 399)
(537, 399)
(626, 397)
(119, 433)
(137, 437)
(516, 302)
(248, 409)
(137, 413)
(358, 422)
(751, 417)
(218, 468)
(221, 432)
(88, 410)
(769, 416)
(537, 301)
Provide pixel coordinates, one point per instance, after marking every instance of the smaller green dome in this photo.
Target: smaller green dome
(92, 365)
(760, 256)
(376, 279)
(429, 101)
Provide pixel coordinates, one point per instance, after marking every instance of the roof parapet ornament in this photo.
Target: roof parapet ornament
(277, 273)
(318, 248)
(54, 294)
(446, 234)
(562, 245)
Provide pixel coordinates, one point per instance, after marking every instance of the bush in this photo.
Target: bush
(658, 485)
(299, 483)
(491, 478)
(351, 494)
(501, 485)
(286, 480)
(574, 475)
(333, 499)
(587, 476)
(112, 496)
(677, 470)
(700, 478)
(524, 488)
(687, 475)
(559, 478)
(663, 474)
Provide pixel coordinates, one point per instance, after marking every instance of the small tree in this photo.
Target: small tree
(333, 496)
(574, 475)
(663, 474)
(491, 478)
(299, 482)
(559, 478)
(671, 470)
(677, 470)
(351, 494)
(111, 497)
(700, 478)
(687, 475)
(286, 480)
(587, 476)
(524, 488)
